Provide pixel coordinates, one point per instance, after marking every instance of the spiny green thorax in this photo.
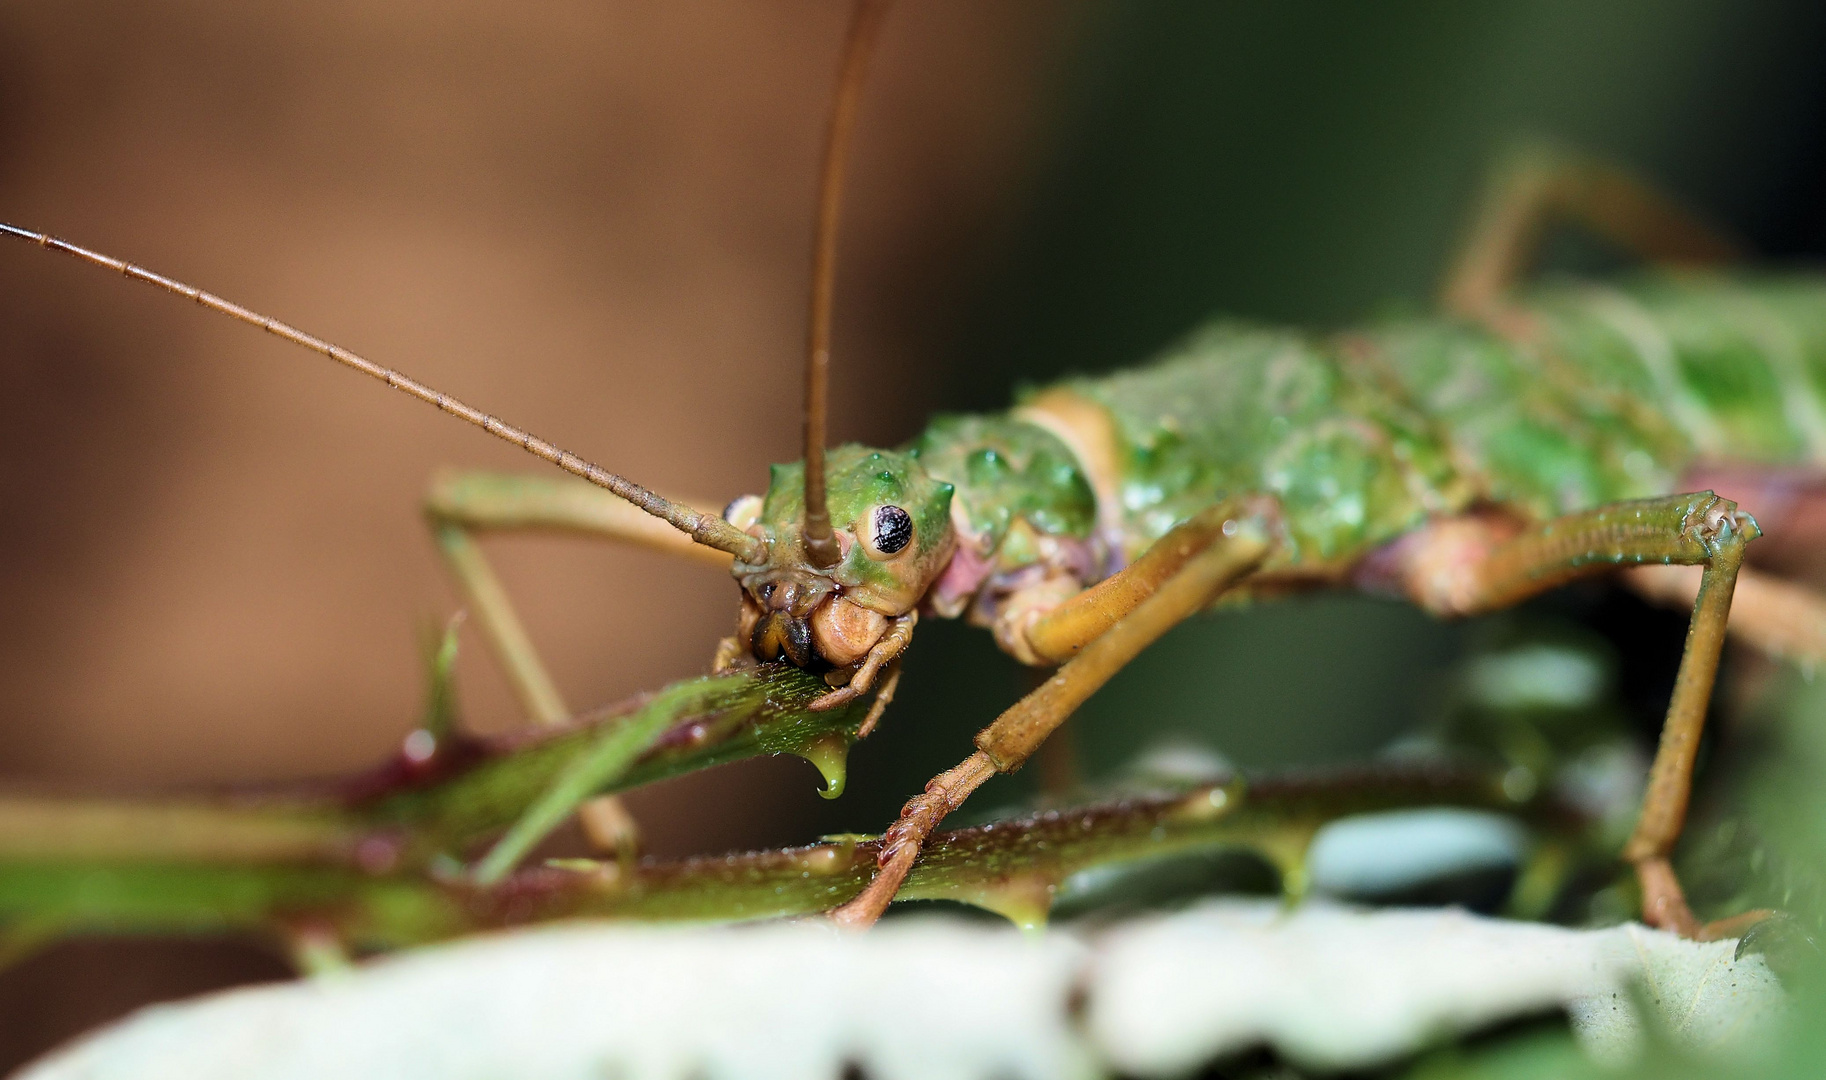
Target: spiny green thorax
(1006, 469)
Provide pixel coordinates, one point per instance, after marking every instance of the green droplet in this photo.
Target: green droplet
(1023, 899)
(829, 754)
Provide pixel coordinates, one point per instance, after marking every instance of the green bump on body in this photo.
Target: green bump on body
(1613, 392)
(1007, 470)
(1237, 409)
(1606, 392)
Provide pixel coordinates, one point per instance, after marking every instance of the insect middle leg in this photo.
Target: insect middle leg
(461, 505)
(1537, 185)
(1101, 630)
(1452, 576)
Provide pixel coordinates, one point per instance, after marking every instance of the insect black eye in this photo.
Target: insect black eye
(891, 531)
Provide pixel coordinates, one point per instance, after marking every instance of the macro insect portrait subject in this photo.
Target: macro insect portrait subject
(1520, 437)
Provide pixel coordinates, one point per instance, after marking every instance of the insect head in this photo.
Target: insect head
(892, 524)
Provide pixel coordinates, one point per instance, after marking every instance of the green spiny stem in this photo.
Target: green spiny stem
(371, 859)
(411, 811)
(604, 762)
(1012, 867)
(702, 722)
(98, 830)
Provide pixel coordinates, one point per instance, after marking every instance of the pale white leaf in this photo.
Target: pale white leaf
(1324, 985)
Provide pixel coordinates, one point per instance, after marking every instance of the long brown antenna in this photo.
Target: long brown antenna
(705, 529)
(865, 22)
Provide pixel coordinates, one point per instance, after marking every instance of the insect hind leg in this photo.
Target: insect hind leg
(1700, 530)
(1777, 617)
(1537, 185)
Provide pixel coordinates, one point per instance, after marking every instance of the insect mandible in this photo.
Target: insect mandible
(1464, 463)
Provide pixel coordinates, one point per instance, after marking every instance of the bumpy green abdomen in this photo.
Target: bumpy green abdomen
(1604, 392)
(1736, 362)
(1616, 389)
(1239, 409)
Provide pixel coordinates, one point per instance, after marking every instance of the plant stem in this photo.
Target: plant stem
(1013, 867)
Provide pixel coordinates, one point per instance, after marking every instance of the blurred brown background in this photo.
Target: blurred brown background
(595, 223)
(593, 219)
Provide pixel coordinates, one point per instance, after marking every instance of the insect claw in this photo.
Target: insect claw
(883, 698)
(843, 695)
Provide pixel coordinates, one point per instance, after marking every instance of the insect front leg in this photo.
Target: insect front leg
(1100, 632)
(1536, 186)
(459, 506)
(883, 656)
(1449, 575)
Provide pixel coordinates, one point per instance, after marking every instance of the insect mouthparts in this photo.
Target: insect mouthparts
(782, 634)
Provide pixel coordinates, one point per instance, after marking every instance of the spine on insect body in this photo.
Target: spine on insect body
(1594, 393)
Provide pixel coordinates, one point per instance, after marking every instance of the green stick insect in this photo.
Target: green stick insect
(1466, 462)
